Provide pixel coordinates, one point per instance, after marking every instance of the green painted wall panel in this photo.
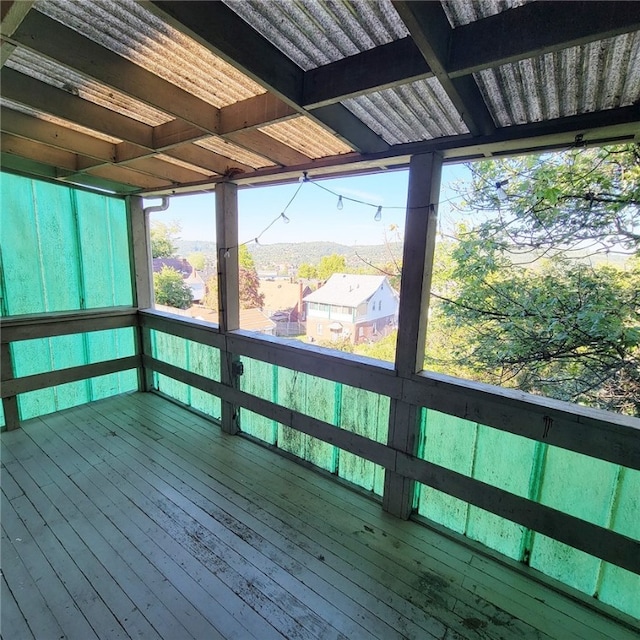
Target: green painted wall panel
(60, 277)
(583, 487)
(450, 442)
(618, 587)
(105, 345)
(20, 248)
(205, 361)
(312, 396)
(120, 257)
(2, 420)
(259, 379)
(503, 460)
(366, 414)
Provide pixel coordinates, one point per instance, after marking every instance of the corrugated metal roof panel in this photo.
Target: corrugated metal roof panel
(409, 113)
(57, 75)
(583, 79)
(346, 289)
(234, 152)
(307, 137)
(59, 121)
(315, 33)
(126, 27)
(183, 164)
(462, 12)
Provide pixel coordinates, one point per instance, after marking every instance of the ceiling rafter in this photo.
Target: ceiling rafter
(223, 32)
(12, 13)
(429, 27)
(534, 29)
(196, 119)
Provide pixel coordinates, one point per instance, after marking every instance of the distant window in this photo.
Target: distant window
(319, 327)
(379, 305)
(361, 332)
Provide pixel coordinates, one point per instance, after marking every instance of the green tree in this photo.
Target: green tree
(249, 284)
(162, 239)
(171, 290)
(197, 260)
(523, 305)
(331, 264)
(307, 271)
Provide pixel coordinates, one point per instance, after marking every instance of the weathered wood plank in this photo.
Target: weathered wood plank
(70, 374)
(46, 325)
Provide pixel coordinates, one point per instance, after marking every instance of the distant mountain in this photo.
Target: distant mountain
(271, 256)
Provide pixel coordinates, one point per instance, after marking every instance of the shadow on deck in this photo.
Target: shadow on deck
(134, 518)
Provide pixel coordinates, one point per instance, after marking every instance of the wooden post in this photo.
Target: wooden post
(228, 292)
(417, 268)
(10, 404)
(142, 280)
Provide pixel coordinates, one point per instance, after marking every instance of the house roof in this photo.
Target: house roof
(181, 265)
(162, 97)
(347, 289)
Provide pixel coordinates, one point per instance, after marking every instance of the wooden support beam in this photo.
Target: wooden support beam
(429, 26)
(24, 126)
(223, 32)
(12, 13)
(52, 39)
(140, 258)
(258, 111)
(269, 147)
(419, 248)
(228, 293)
(64, 323)
(383, 67)
(41, 96)
(534, 29)
(70, 374)
(9, 402)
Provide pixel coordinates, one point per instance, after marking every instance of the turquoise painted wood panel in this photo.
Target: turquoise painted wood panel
(205, 361)
(172, 350)
(259, 379)
(103, 231)
(34, 408)
(503, 460)
(20, 242)
(105, 345)
(618, 587)
(314, 397)
(2, 420)
(366, 414)
(583, 487)
(450, 442)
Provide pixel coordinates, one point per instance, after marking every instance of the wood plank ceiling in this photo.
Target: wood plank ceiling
(160, 97)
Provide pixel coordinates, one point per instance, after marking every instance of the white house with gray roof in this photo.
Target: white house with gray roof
(361, 308)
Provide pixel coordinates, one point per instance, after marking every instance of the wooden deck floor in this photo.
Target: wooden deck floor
(133, 518)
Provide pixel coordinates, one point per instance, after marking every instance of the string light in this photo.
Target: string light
(502, 194)
(340, 205)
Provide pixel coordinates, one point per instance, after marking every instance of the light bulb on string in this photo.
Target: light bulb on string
(378, 215)
(227, 254)
(284, 217)
(340, 204)
(502, 194)
(256, 240)
(304, 177)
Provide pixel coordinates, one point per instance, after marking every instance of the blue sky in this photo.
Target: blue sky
(313, 214)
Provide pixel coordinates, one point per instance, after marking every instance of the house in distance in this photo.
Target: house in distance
(360, 308)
